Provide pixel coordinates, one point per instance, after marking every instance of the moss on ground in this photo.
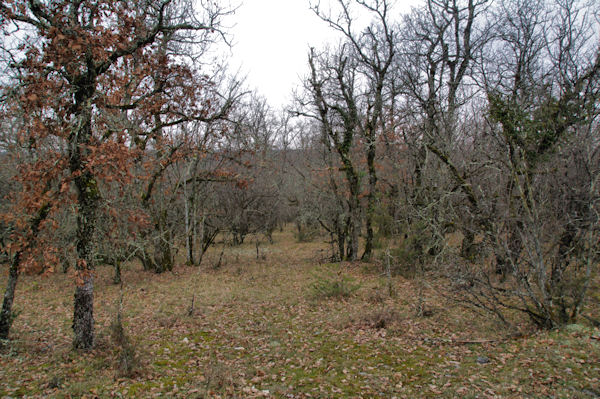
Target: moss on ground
(256, 332)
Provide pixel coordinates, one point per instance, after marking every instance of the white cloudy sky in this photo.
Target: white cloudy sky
(271, 40)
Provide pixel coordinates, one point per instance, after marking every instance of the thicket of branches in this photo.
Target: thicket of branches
(468, 119)
(464, 120)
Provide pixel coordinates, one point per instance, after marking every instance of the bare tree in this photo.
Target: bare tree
(543, 118)
(526, 178)
(332, 87)
(374, 49)
(441, 42)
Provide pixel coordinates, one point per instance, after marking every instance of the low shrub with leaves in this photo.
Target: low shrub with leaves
(331, 282)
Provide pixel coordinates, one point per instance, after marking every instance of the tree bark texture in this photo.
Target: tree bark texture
(371, 198)
(9, 295)
(83, 316)
(88, 197)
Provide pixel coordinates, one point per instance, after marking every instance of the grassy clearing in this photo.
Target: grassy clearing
(257, 331)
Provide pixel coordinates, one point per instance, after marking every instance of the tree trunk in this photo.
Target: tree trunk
(369, 226)
(467, 248)
(202, 239)
(354, 209)
(163, 257)
(506, 262)
(6, 315)
(146, 259)
(117, 276)
(354, 228)
(565, 245)
(83, 314)
(83, 317)
(191, 259)
(189, 231)
(340, 230)
(88, 197)
(371, 199)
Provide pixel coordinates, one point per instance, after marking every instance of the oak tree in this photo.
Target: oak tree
(76, 61)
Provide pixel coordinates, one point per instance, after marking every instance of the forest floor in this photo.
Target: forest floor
(257, 330)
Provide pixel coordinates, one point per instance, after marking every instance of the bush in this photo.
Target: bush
(331, 282)
(377, 319)
(403, 261)
(306, 232)
(127, 361)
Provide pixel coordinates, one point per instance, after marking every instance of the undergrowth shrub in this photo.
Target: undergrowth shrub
(377, 296)
(306, 232)
(381, 318)
(412, 255)
(218, 375)
(127, 362)
(331, 282)
(402, 259)
(55, 382)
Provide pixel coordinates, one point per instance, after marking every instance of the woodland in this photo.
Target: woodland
(422, 220)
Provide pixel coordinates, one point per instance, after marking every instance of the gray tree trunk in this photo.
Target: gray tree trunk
(88, 197)
(83, 315)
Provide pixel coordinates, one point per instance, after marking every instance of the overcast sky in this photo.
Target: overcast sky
(271, 40)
